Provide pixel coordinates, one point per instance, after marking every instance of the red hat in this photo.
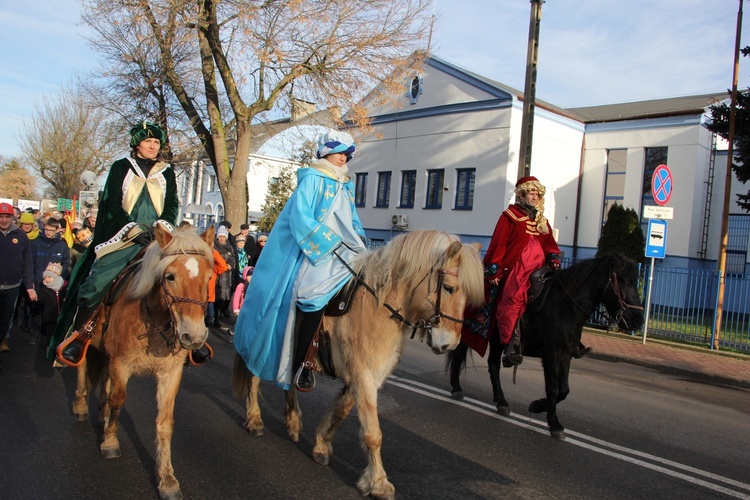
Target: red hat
(6, 209)
(524, 180)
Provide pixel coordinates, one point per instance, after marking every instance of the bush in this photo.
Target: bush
(622, 233)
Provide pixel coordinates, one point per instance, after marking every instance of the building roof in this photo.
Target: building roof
(655, 108)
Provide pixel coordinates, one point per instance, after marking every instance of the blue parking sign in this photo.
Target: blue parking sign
(656, 242)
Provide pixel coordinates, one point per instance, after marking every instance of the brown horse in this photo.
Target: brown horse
(150, 328)
(420, 281)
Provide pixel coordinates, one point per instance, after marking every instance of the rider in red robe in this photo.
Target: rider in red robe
(521, 243)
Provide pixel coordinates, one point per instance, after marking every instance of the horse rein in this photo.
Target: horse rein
(426, 324)
(623, 305)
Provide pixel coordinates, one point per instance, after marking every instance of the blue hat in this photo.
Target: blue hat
(335, 141)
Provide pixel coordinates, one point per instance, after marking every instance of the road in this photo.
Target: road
(632, 433)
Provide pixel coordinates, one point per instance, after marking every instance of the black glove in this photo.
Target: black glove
(553, 261)
(144, 238)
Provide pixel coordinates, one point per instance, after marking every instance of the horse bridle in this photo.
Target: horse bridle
(426, 324)
(622, 304)
(170, 299)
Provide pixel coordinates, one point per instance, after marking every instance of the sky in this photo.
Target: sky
(591, 52)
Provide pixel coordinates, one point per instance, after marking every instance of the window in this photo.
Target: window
(384, 190)
(654, 158)
(408, 185)
(435, 182)
(738, 233)
(210, 183)
(360, 193)
(614, 181)
(465, 188)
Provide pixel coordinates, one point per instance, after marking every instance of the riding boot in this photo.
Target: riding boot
(74, 351)
(510, 357)
(304, 378)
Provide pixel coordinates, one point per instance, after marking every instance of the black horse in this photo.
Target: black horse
(553, 332)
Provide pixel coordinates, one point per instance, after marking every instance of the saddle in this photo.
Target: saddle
(342, 301)
(538, 288)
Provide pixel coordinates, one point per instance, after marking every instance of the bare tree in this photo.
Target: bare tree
(235, 65)
(16, 182)
(68, 135)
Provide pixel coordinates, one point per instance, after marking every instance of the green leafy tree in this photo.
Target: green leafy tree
(741, 149)
(622, 233)
(279, 190)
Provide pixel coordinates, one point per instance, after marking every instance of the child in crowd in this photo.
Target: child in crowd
(239, 292)
(51, 296)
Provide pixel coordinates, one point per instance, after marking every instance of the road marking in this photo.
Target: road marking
(639, 458)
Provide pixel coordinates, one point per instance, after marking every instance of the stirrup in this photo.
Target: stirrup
(298, 375)
(65, 343)
(208, 358)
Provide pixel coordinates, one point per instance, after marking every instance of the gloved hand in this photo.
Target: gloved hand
(144, 238)
(553, 261)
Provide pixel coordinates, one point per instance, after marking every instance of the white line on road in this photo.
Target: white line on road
(639, 458)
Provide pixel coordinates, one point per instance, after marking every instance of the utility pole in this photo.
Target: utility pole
(727, 187)
(529, 91)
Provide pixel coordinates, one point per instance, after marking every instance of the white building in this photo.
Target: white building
(446, 157)
(201, 200)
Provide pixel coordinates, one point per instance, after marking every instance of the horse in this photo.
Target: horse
(553, 332)
(420, 282)
(149, 323)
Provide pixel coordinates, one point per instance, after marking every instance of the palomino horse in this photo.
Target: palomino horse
(553, 332)
(151, 328)
(420, 281)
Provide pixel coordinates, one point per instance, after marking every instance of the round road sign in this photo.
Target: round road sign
(661, 185)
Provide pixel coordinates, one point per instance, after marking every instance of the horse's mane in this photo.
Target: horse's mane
(580, 274)
(156, 260)
(410, 257)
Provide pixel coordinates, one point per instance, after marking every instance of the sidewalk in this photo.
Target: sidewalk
(719, 367)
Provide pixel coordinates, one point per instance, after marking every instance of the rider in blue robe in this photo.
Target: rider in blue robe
(301, 267)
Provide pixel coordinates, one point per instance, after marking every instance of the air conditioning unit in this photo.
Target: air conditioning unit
(399, 221)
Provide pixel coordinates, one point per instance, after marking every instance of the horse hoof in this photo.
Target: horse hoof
(255, 432)
(459, 394)
(321, 458)
(171, 495)
(558, 434)
(80, 417)
(294, 437)
(113, 452)
(503, 410)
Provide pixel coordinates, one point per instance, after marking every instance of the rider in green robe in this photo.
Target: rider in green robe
(140, 190)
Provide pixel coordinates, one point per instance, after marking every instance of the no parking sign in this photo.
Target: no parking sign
(661, 185)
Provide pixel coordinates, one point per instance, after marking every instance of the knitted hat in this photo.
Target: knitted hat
(26, 218)
(146, 130)
(6, 209)
(53, 269)
(334, 141)
(240, 237)
(248, 271)
(531, 183)
(222, 232)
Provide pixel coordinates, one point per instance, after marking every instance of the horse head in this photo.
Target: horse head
(454, 280)
(180, 264)
(620, 295)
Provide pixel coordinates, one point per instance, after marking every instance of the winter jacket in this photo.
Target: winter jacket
(45, 250)
(18, 263)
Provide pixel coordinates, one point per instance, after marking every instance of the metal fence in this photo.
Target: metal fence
(683, 306)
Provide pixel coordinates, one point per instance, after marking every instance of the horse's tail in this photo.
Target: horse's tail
(241, 378)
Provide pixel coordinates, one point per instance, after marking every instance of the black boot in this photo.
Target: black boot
(510, 357)
(304, 378)
(74, 351)
(581, 351)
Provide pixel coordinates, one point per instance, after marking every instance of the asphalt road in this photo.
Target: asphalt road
(632, 433)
